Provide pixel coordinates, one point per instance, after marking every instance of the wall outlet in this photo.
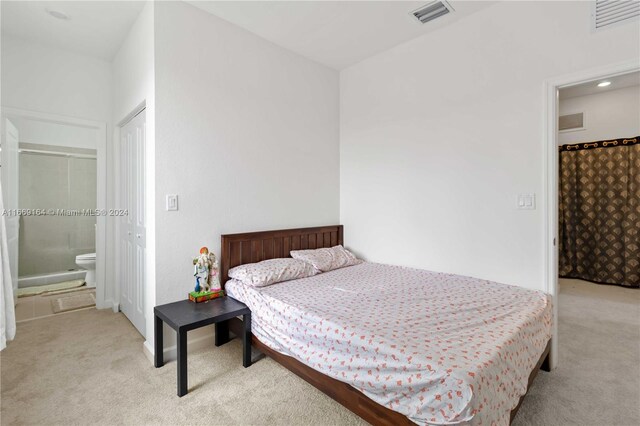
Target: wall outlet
(526, 202)
(172, 202)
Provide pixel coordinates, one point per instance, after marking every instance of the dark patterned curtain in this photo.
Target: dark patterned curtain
(600, 211)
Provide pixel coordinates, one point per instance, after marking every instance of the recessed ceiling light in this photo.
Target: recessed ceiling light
(604, 84)
(58, 14)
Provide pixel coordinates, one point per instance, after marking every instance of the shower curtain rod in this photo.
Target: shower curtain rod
(58, 153)
(599, 144)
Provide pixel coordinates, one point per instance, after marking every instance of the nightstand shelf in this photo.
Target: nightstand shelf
(185, 315)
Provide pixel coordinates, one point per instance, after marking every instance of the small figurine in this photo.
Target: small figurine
(201, 266)
(205, 270)
(214, 278)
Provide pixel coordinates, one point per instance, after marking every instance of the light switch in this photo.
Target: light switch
(172, 202)
(526, 201)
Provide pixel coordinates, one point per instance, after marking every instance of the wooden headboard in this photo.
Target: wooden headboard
(250, 247)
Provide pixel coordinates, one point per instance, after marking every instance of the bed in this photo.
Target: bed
(395, 345)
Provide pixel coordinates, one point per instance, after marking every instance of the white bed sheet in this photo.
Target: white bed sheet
(438, 348)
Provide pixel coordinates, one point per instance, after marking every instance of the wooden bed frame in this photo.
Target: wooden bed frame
(238, 249)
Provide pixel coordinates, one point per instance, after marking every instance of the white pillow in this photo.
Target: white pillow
(272, 271)
(327, 259)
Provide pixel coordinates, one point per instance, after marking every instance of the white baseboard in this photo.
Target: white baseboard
(104, 305)
(110, 304)
(147, 350)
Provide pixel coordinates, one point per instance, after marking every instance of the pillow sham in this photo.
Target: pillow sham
(327, 259)
(272, 271)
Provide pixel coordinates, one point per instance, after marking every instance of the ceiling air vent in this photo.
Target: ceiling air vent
(606, 13)
(431, 11)
(570, 122)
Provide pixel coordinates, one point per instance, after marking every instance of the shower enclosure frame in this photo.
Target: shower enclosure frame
(102, 222)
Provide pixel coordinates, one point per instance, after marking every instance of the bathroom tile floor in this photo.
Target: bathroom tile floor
(32, 307)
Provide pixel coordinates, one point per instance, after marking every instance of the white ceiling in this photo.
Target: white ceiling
(618, 82)
(334, 33)
(95, 28)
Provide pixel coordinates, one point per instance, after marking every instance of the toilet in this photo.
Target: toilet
(88, 262)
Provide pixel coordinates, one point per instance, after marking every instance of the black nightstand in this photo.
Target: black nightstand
(186, 315)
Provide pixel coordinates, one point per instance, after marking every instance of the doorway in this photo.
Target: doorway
(551, 175)
(132, 252)
(599, 182)
(56, 170)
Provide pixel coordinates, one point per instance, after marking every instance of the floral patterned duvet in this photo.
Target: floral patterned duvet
(438, 348)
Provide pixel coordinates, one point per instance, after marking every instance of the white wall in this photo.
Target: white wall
(439, 135)
(44, 79)
(134, 85)
(608, 115)
(41, 132)
(133, 66)
(247, 135)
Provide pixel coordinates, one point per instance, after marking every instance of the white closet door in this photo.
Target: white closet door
(132, 250)
(10, 178)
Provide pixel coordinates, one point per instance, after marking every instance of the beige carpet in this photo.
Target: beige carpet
(87, 367)
(597, 381)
